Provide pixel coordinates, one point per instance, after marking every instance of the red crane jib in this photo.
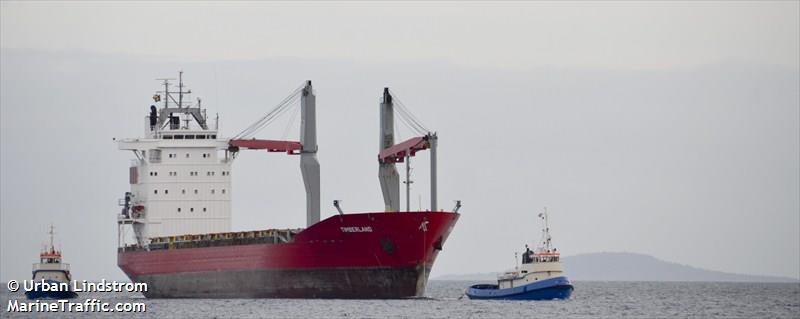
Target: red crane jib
(397, 153)
(290, 147)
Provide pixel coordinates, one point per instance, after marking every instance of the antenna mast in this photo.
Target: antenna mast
(166, 93)
(180, 89)
(51, 232)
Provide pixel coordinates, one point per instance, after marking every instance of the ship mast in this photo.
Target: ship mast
(546, 239)
(309, 165)
(51, 232)
(387, 171)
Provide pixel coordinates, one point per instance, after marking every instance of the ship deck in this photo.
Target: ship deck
(267, 236)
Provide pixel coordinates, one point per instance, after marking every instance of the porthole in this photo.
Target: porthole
(195, 191)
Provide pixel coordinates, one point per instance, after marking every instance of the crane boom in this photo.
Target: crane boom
(391, 153)
(290, 147)
(306, 148)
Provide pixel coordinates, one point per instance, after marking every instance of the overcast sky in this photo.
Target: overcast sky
(665, 128)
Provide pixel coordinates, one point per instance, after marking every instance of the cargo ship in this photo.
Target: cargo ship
(174, 227)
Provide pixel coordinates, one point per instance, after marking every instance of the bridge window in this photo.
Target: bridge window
(167, 137)
(189, 137)
(179, 137)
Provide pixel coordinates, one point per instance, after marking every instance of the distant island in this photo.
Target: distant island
(632, 267)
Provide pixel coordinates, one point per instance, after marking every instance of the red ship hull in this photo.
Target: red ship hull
(367, 255)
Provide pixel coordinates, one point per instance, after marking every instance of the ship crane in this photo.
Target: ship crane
(391, 153)
(306, 147)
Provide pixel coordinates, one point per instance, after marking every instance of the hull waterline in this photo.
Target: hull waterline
(548, 289)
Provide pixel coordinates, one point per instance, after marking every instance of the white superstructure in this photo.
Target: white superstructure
(542, 263)
(181, 176)
(50, 267)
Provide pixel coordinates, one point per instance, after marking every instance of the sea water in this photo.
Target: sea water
(445, 299)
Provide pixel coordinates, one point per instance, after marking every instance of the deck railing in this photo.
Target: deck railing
(61, 266)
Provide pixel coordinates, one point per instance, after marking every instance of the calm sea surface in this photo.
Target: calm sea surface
(590, 300)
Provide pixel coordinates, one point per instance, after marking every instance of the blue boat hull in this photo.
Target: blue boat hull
(39, 294)
(548, 289)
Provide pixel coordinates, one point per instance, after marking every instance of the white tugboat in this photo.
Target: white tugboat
(540, 277)
(51, 277)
